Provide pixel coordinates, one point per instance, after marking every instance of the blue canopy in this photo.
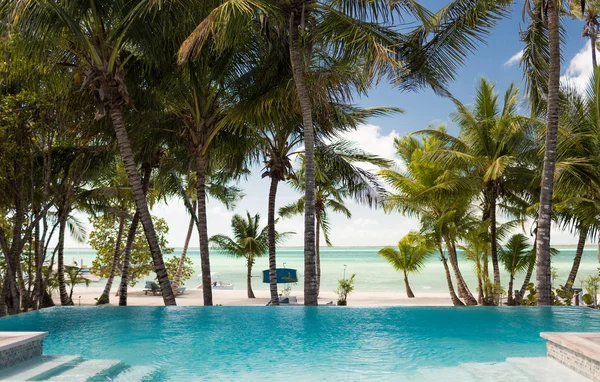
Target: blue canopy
(284, 275)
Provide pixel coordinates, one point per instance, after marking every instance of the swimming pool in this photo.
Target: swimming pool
(249, 343)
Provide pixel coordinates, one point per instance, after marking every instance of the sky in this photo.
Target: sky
(497, 60)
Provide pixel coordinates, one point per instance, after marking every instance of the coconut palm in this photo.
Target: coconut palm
(99, 49)
(361, 32)
(411, 256)
(249, 241)
(439, 196)
(493, 145)
(542, 70)
(515, 257)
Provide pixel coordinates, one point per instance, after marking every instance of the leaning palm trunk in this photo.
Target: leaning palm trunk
(543, 276)
(577, 260)
(272, 242)
(409, 291)
(64, 296)
(463, 289)
(455, 300)
(130, 239)
(180, 266)
(105, 297)
(141, 204)
(203, 228)
(126, 256)
(310, 279)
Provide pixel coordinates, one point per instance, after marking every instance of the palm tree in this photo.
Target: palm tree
(439, 196)
(338, 177)
(362, 33)
(100, 41)
(413, 252)
(493, 145)
(515, 258)
(588, 11)
(249, 242)
(542, 66)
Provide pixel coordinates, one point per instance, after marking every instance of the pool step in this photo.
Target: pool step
(36, 367)
(539, 369)
(134, 374)
(545, 369)
(86, 370)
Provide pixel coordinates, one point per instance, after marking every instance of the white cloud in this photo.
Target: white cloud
(372, 140)
(364, 222)
(515, 59)
(580, 69)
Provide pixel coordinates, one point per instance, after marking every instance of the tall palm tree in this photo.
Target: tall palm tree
(542, 66)
(249, 241)
(493, 145)
(359, 32)
(589, 12)
(413, 252)
(100, 41)
(515, 258)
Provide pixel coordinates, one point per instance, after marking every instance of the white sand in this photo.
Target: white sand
(86, 296)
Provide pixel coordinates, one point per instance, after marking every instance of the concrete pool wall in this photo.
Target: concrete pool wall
(17, 347)
(578, 351)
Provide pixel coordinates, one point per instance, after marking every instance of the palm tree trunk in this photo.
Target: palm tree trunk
(131, 238)
(510, 298)
(577, 260)
(455, 300)
(463, 289)
(272, 242)
(494, 243)
(105, 297)
(310, 279)
(126, 257)
(593, 44)
(480, 295)
(64, 296)
(409, 292)
(543, 277)
(318, 251)
(203, 228)
(528, 275)
(141, 204)
(249, 277)
(177, 279)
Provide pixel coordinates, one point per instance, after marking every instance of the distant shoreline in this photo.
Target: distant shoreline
(557, 246)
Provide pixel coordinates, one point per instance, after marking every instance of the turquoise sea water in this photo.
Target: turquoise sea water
(373, 274)
(315, 343)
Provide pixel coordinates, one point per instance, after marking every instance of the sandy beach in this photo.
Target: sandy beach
(136, 297)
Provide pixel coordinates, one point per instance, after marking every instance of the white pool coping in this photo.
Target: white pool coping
(9, 340)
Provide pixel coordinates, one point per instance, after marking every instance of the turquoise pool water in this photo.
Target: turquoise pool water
(250, 343)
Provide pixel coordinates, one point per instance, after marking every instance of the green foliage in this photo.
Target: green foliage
(412, 254)
(345, 287)
(591, 284)
(588, 299)
(103, 240)
(173, 262)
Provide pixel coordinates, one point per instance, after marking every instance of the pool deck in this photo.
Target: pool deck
(578, 351)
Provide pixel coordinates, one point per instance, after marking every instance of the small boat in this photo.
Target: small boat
(216, 282)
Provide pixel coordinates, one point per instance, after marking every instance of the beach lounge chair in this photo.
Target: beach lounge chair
(153, 287)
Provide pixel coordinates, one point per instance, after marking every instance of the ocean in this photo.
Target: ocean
(373, 273)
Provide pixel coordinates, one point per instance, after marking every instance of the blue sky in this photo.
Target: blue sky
(374, 228)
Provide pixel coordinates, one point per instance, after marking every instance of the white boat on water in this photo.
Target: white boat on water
(216, 282)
